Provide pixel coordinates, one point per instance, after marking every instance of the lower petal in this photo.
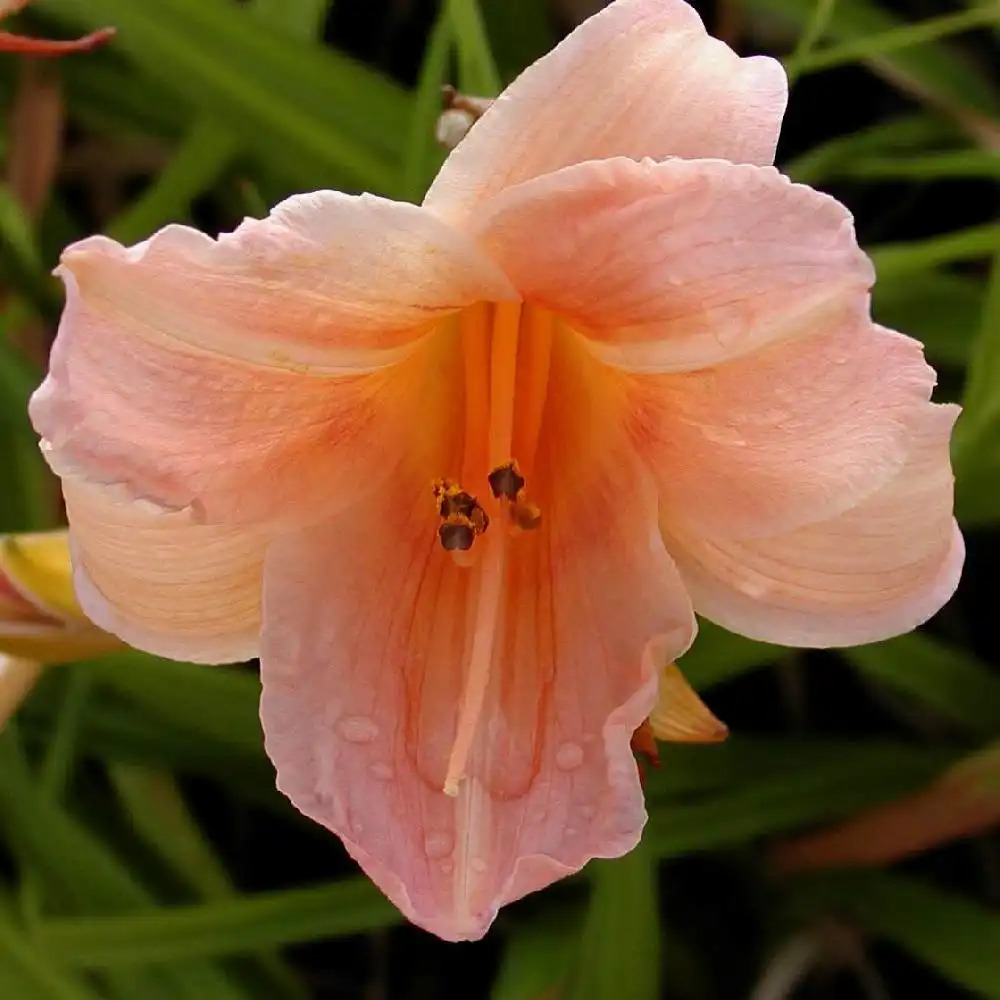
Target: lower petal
(873, 572)
(161, 582)
(365, 662)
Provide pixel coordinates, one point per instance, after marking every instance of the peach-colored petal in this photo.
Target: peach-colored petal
(328, 282)
(678, 265)
(162, 583)
(875, 571)
(793, 434)
(141, 392)
(641, 78)
(365, 650)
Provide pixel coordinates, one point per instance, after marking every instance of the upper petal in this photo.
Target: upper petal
(875, 571)
(327, 282)
(365, 659)
(677, 265)
(140, 393)
(640, 78)
(162, 583)
(794, 433)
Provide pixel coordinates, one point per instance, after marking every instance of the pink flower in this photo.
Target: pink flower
(288, 442)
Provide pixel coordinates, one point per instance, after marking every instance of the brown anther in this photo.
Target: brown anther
(456, 533)
(462, 515)
(525, 515)
(506, 481)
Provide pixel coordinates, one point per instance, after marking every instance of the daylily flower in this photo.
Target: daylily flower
(40, 619)
(461, 473)
(44, 47)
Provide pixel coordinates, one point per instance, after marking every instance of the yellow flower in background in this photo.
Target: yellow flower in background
(40, 620)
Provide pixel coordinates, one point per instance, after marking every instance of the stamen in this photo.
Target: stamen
(477, 680)
(503, 379)
(535, 360)
(474, 330)
(506, 481)
(462, 518)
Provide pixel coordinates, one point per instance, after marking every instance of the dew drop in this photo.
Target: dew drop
(571, 831)
(569, 756)
(478, 865)
(447, 867)
(381, 771)
(438, 845)
(357, 729)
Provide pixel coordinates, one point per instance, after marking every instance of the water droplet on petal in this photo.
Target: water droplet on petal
(381, 771)
(357, 729)
(447, 867)
(569, 756)
(571, 831)
(438, 845)
(478, 865)
(588, 812)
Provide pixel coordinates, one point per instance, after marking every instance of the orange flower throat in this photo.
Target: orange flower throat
(506, 349)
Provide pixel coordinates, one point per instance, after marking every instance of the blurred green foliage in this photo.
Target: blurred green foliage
(148, 856)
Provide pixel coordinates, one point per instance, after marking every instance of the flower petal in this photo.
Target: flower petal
(679, 715)
(795, 433)
(365, 651)
(126, 402)
(641, 78)
(162, 583)
(678, 265)
(875, 571)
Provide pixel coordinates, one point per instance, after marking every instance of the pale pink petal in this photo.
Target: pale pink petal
(127, 402)
(328, 282)
(364, 654)
(678, 265)
(792, 434)
(875, 571)
(162, 583)
(641, 78)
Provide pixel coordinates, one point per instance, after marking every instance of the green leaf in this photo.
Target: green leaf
(79, 870)
(295, 104)
(782, 785)
(296, 18)
(952, 934)
(619, 954)
(538, 954)
(897, 136)
(939, 308)
(945, 678)
(224, 927)
(204, 153)
(216, 703)
(28, 974)
(718, 655)
(423, 156)
(976, 446)
(897, 38)
(930, 72)
(477, 72)
(894, 260)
